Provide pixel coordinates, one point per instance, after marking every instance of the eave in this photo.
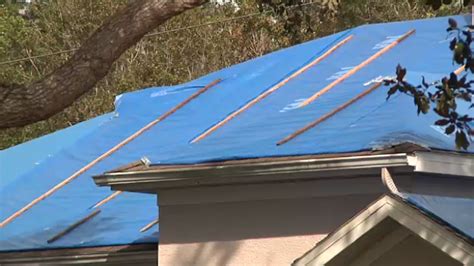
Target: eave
(288, 169)
(408, 216)
(144, 254)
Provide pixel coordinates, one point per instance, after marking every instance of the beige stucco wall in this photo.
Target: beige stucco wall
(271, 223)
(251, 232)
(263, 251)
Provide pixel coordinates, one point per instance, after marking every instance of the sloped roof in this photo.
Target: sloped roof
(25, 157)
(367, 124)
(457, 213)
(119, 221)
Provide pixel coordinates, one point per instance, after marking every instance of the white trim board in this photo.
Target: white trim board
(443, 163)
(384, 208)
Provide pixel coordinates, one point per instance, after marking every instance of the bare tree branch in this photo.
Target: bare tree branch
(22, 105)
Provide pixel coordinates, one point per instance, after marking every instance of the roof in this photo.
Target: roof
(20, 182)
(456, 213)
(25, 157)
(400, 209)
(268, 89)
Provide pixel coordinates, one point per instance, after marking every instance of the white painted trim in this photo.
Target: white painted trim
(380, 210)
(432, 232)
(321, 250)
(443, 163)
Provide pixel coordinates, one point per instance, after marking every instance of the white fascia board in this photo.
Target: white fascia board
(406, 216)
(443, 163)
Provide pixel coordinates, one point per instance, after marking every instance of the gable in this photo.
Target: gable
(388, 227)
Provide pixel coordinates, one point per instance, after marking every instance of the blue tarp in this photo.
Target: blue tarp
(20, 159)
(371, 123)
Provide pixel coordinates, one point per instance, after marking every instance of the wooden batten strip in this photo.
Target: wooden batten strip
(356, 69)
(340, 108)
(107, 153)
(150, 225)
(271, 90)
(107, 199)
(330, 114)
(459, 70)
(73, 226)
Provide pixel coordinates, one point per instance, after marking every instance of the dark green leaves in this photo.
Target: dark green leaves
(452, 44)
(392, 90)
(444, 94)
(401, 72)
(422, 103)
(450, 129)
(460, 45)
(436, 4)
(461, 140)
(452, 24)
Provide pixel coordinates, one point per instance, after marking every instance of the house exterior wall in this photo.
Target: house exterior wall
(266, 224)
(260, 227)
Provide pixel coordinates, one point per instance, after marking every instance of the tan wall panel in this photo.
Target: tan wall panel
(266, 232)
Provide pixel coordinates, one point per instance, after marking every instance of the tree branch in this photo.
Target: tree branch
(22, 105)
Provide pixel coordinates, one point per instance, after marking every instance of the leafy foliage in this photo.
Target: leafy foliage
(445, 94)
(437, 4)
(296, 18)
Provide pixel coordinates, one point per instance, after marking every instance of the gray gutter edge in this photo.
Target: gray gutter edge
(288, 170)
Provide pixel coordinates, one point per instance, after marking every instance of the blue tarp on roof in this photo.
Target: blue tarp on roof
(22, 158)
(371, 123)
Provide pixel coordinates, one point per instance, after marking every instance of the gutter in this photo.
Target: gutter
(151, 178)
(252, 171)
(140, 255)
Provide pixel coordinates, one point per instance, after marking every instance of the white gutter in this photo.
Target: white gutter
(443, 163)
(252, 172)
(149, 257)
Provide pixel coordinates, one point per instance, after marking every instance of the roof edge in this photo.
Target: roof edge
(407, 215)
(252, 171)
(130, 254)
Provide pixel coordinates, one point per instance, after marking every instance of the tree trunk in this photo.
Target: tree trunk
(24, 104)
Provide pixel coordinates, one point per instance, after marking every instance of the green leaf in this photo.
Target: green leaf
(401, 72)
(452, 22)
(452, 44)
(424, 83)
(392, 90)
(442, 108)
(449, 130)
(461, 140)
